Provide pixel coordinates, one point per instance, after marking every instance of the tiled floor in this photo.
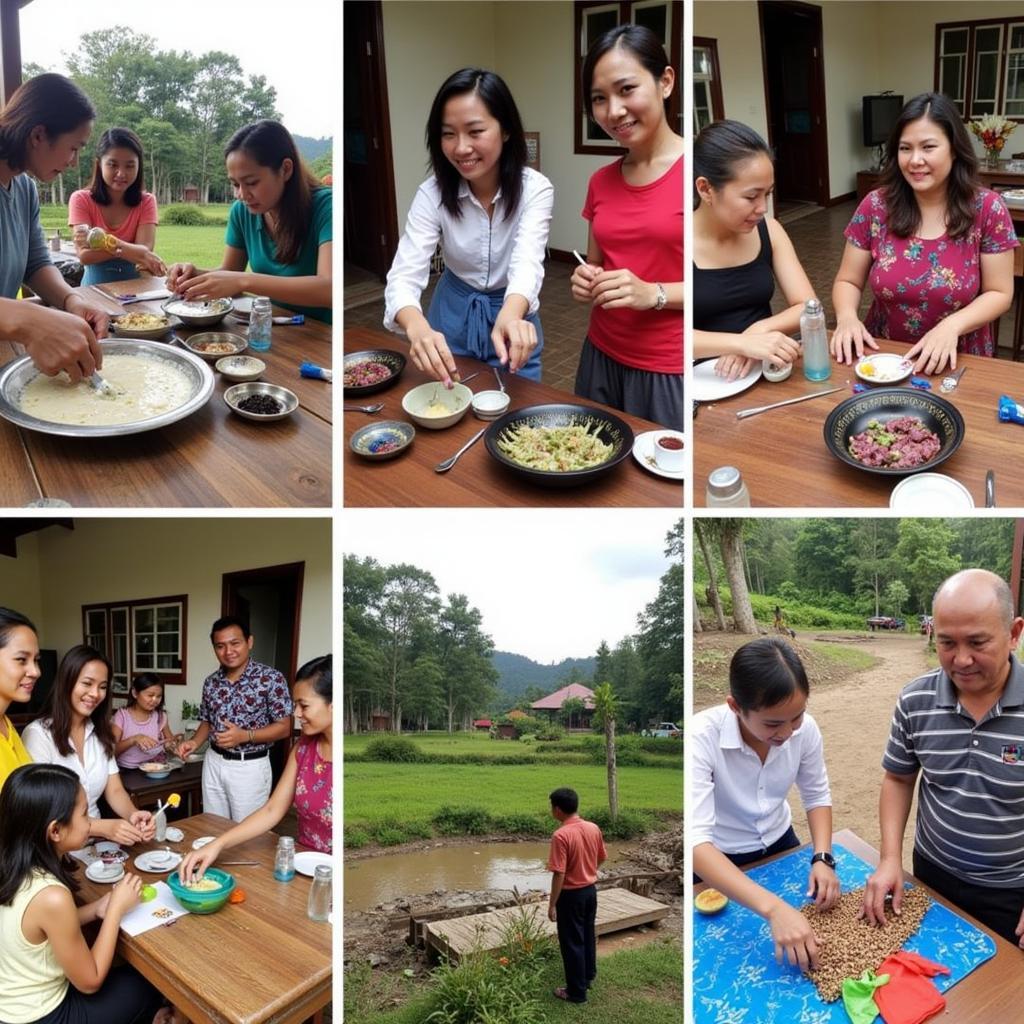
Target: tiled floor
(819, 243)
(564, 322)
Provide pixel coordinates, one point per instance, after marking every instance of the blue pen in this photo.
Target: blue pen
(316, 372)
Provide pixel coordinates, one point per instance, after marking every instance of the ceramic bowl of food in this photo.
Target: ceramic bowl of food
(214, 345)
(364, 373)
(894, 431)
(148, 326)
(489, 405)
(155, 769)
(883, 369)
(260, 401)
(198, 314)
(384, 440)
(241, 369)
(207, 895)
(435, 407)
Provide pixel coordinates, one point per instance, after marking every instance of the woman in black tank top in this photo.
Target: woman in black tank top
(732, 291)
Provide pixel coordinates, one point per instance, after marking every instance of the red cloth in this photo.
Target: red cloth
(577, 848)
(909, 998)
(639, 228)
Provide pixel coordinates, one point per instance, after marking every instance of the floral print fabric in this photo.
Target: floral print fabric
(917, 282)
(313, 795)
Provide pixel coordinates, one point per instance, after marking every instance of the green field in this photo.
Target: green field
(203, 246)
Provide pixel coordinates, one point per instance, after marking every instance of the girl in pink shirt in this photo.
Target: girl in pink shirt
(141, 731)
(632, 357)
(116, 202)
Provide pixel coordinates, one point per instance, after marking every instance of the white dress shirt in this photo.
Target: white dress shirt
(736, 802)
(94, 773)
(487, 253)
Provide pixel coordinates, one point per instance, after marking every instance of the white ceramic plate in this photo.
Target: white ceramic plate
(643, 452)
(174, 835)
(157, 861)
(198, 844)
(883, 368)
(706, 386)
(308, 861)
(925, 492)
(94, 872)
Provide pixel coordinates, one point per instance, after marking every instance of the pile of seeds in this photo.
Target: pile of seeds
(850, 947)
(262, 404)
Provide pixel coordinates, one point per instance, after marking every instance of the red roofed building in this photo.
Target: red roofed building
(482, 723)
(551, 705)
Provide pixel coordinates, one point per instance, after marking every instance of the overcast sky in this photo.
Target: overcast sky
(550, 584)
(296, 44)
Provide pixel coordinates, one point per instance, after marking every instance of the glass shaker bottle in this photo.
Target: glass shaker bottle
(284, 859)
(319, 907)
(260, 324)
(726, 489)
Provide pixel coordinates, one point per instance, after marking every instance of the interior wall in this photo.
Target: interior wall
(126, 559)
(20, 585)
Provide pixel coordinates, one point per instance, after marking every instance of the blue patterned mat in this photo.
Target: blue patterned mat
(737, 981)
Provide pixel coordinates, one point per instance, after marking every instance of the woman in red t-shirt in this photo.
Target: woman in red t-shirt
(632, 357)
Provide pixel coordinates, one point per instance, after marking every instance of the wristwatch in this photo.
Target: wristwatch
(824, 858)
(662, 298)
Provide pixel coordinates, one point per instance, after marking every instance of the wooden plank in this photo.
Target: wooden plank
(617, 909)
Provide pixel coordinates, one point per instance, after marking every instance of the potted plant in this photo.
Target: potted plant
(189, 716)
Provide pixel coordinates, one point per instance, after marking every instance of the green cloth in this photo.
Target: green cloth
(858, 996)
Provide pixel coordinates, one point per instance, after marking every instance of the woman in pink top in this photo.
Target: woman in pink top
(936, 246)
(116, 202)
(305, 782)
(632, 358)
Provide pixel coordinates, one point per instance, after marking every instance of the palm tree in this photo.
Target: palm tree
(606, 709)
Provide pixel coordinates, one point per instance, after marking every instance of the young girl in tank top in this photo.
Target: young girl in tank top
(141, 731)
(739, 254)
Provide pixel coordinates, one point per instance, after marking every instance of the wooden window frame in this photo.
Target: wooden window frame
(675, 56)
(717, 103)
(971, 27)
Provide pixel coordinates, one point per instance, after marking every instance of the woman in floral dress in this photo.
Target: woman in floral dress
(305, 781)
(935, 245)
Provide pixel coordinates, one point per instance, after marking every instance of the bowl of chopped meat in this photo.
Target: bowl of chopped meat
(363, 373)
(894, 431)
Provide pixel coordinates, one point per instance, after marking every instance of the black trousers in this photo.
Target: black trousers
(787, 841)
(125, 998)
(998, 908)
(576, 912)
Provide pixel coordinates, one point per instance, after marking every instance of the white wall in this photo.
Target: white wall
(125, 559)
(530, 45)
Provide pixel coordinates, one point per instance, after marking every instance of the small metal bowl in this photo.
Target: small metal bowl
(241, 368)
(369, 440)
(198, 343)
(146, 334)
(188, 314)
(239, 392)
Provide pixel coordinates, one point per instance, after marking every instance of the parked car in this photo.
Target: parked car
(885, 622)
(667, 731)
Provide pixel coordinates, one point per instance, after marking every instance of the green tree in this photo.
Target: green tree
(571, 710)
(896, 595)
(926, 553)
(606, 710)
(820, 556)
(464, 656)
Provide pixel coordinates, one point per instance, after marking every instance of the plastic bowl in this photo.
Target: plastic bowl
(209, 902)
(456, 400)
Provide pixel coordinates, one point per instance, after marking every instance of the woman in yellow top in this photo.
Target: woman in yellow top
(19, 670)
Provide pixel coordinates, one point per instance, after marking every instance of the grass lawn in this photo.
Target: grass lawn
(642, 984)
(376, 792)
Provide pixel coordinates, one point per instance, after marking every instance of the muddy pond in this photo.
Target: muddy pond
(395, 876)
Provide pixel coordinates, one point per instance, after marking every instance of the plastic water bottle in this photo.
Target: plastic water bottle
(817, 360)
(726, 489)
(260, 323)
(284, 859)
(319, 906)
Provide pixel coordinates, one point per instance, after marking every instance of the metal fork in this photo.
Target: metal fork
(376, 407)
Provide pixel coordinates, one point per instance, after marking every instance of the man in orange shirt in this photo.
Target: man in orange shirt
(577, 848)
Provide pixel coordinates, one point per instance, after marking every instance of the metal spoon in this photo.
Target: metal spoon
(501, 386)
(376, 407)
(443, 467)
(990, 489)
(949, 383)
(103, 386)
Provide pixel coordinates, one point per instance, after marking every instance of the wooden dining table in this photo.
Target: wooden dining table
(784, 461)
(478, 479)
(212, 458)
(262, 961)
(991, 992)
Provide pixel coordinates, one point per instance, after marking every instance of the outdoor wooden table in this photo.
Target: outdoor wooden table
(989, 993)
(212, 458)
(258, 962)
(477, 479)
(784, 460)
(186, 781)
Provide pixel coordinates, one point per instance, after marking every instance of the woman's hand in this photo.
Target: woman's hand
(622, 289)
(582, 281)
(194, 866)
(935, 349)
(98, 319)
(143, 821)
(214, 284)
(430, 353)
(849, 339)
(117, 830)
(150, 262)
(178, 274)
(58, 341)
(823, 886)
(793, 936)
(771, 345)
(125, 895)
(145, 742)
(514, 340)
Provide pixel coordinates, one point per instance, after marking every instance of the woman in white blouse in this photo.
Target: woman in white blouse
(76, 733)
(492, 215)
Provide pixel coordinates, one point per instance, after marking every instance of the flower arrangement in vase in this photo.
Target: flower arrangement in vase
(993, 130)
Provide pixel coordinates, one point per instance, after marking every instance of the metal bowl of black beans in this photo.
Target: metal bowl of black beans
(260, 401)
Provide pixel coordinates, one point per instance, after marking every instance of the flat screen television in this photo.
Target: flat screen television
(878, 115)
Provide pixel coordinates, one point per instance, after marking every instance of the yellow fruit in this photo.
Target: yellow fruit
(710, 901)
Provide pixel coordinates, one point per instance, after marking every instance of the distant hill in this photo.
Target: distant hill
(310, 149)
(517, 672)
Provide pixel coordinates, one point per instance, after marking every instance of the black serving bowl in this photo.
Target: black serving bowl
(393, 360)
(610, 429)
(852, 416)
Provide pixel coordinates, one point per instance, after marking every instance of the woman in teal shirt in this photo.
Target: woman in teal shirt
(279, 226)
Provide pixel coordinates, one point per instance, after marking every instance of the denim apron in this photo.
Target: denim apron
(109, 270)
(466, 318)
